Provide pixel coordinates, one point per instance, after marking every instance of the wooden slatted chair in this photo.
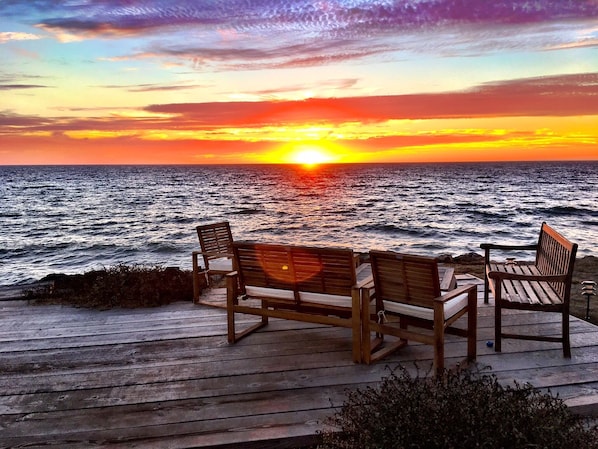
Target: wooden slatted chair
(215, 241)
(543, 285)
(408, 287)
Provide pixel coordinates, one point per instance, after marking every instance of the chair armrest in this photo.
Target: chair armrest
(501, 275)
(212, 253)
(367, 287)
(456, 292)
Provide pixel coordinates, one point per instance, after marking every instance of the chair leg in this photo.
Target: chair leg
(472, 324)
(231, 298)
(356, 325)
(439, 354)
(439, 327)
(366, 344)
(486, 268)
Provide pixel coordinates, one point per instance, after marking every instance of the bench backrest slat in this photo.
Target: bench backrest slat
(555, 255)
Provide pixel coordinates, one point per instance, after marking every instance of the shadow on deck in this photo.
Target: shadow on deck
(166, 377)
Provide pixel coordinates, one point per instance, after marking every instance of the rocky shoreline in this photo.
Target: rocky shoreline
(150, 287)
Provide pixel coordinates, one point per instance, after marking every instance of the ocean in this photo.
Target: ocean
(71, 219)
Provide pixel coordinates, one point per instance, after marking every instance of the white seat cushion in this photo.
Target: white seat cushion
(265, 292)
(221, 264)
(328, 300)
(451, 307)
(313, 298)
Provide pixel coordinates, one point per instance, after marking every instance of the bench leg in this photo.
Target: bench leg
(497, 317)
(234, 337)
(196, 291)
(232, 295)
(566, 338)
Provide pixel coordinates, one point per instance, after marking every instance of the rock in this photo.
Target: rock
(445, 258)
(469, 259)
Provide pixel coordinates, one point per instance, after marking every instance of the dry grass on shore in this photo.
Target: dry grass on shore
(124, 286)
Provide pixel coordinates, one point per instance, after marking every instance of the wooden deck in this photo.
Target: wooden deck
(165, 377)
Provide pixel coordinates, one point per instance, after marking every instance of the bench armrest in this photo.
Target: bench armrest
(500, 276)
(489, 246)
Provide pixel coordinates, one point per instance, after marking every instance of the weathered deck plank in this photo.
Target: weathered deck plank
(166, 377)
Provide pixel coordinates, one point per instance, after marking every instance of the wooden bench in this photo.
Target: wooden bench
(300, 283)
(543, 285)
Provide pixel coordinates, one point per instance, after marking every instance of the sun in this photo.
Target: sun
(310, 155)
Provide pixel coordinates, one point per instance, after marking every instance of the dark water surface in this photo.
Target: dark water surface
(75, 218)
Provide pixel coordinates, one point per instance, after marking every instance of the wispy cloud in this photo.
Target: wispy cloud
(14, 81)
(152, 87)
(7, 36)
(20, 86)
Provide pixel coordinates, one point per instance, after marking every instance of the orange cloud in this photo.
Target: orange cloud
(565, 95)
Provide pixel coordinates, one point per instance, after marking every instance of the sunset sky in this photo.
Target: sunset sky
(267, 81)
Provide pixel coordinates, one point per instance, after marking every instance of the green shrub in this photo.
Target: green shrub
(120, 286)
(457, 410)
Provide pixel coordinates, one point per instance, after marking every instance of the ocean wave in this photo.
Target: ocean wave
(12, 214)
(246, 211)
(557, 211)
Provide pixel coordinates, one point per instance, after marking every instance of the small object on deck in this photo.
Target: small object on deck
(588, 289)
(489, 343)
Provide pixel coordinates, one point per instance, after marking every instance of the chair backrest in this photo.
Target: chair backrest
(555, 255)
(296, 268)
(215, 238)
(405, 278)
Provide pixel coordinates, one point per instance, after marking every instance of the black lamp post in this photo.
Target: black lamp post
(588, 289)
